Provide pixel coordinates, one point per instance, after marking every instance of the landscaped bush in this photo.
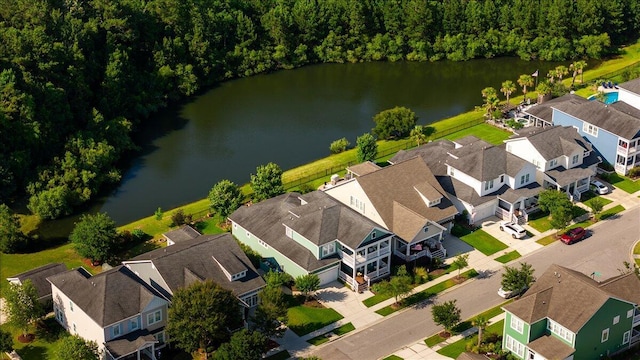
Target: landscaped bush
(339, 146)
(180, 218)
(305, 188)
(634, 172)
(514, 124)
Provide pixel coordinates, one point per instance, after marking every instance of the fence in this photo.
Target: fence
(404, 146)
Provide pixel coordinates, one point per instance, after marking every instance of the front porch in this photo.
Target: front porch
(517, 211)
(573, 189)
(360, 278)
(137, 345)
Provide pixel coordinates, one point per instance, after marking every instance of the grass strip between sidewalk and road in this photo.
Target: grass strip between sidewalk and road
(427, 293)
(321, 339)
(508, 257)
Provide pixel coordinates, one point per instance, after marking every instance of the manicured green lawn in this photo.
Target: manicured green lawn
(305, 319)
(321, 339)
(393, 357)
(486, 132)
(458, 347)
(508, 257)
(610, 212)
(549, 239)
(427, 293)
(45, 344)
(587, 199)
(540, 221)
(484, 242)
(624, 183)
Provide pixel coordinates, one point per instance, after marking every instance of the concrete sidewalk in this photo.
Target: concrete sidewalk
(349, 303)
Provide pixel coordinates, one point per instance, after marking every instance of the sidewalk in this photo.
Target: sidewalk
(349, 303)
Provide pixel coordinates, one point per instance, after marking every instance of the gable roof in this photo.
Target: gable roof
(185, 232)
(486, 163)
(101, 296)
(571, 298)
(550, 347)
(38, 277)
(433, 154)
(363, 168)
(631, 85)
(618, 118)
(469, 195)
(544, 110)
(554, 141)
(322, 219)
(198, 259)
(265, 220)
(398, 183)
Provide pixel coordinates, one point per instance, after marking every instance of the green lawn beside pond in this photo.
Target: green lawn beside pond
(486, 132)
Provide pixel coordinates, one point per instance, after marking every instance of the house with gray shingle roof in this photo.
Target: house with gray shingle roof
(568, 315)
(406, 199)
(185, 232)
(207, 257)
(38, 278)
(564, 160)
(122, 314)
(316, 234)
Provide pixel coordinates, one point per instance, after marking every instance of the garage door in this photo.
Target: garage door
(328, 275)
(483, 211)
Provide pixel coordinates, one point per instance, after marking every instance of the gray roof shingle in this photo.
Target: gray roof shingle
(38, 277)
(550, 347)
(433, 154)
(193, 260)
(183, 233)
(544, 111)
(129, 343)
(619, 118)
(486, 163)
(467, 194)
(554, 141)
(631, 85)
(101, 296)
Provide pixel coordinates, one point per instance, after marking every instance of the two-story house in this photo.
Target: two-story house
(568, 315)
(406, 199)
(38, 278)
(207, 257)
(480, 178)
(564, 160)
(315, 234)
(122, 314)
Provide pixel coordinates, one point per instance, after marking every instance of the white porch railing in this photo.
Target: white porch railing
(411, 257)
(636, 320)
(347, 258)
(377, 274)
(502, 213)
(635, 337)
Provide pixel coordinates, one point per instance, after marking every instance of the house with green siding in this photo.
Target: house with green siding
(568, 315)
(315, 234)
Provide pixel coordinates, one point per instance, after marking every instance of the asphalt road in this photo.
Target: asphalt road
(604, 251)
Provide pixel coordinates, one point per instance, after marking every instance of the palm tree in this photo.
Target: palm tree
(525, 80)
(508, 87)
(544, 88)
(491, 100)
(481, 323)
(561, 71)
(580, 65)
(417, 133)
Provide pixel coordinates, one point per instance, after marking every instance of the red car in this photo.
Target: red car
(573, 235)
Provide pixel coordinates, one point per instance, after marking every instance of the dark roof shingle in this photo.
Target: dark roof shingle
(38, 277)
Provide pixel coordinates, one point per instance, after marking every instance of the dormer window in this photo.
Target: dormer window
(328, 249)
(451, 171)
(488, 185)
(574, 159)
(289, 232)
(434, 202)
(373, 235)
(239, 275)
(553, 163)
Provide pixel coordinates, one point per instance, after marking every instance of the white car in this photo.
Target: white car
(509, 294)
(599, 187)
(516, 231)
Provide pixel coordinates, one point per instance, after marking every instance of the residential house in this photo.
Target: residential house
(406, 199)
(122, 314)
(629, 92)
(564, 160)
(315, 234)
(185, 232)
(486, 180)
(568, 315)
(207, 257)
(38, 278)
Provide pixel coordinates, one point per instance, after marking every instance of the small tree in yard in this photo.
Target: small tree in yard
(77, 348)
(180, 218)
(596, 205)
(461, 261)
(6, 341)
(514, 279)
(307, 284)
(558, 205)
(244, 345)
(481, 322)
(95, 237)
(446, 314)
(225, 198)
(367, 148)
(272, 310)
(22, 305)
(399, 286)
(267, 182)
(339, 146)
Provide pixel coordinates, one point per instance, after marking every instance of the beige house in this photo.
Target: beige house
(123, 315)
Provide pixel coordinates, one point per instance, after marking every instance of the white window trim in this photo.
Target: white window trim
(605, 335)
(630, 313)
(616, 319)
(514, 346)
(152, 319)
(626, 337)
(135, 321)
(115, 333)
(517, 324)
(560, 330)
(590, 129)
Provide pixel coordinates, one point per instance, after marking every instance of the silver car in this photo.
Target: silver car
(599, 187)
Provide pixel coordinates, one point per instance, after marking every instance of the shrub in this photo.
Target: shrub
(634, 172)
(339, 146)
(514, 124)
(180, 218)
(420, 275)
(305, 188)
(139, 234)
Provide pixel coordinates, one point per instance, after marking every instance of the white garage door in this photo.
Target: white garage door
(483, 211)
(328, 275)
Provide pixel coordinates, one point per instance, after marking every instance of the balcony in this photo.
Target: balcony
(636, 319)
(626, 151)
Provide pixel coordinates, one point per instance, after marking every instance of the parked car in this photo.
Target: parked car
(599, 188)
(507, 294)
(573, 235)
(516, 231)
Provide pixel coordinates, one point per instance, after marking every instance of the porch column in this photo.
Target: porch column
(138, 354)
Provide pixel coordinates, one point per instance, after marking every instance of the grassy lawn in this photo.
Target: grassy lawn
(282, 355)
(304, 319)
(636, 249)
(484, 242)
(549, 239)
(321, 339)
(508, 257)
(611, 212)
(427, 293)
(393, 357)
(458, 347)
(624, 183)
(45, 344)
(486, 132)
(540, 221)
(587, 199)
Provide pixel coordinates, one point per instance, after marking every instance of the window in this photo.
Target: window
(354, 202)
(514, 346)
(590, 129)
(524, 179)
(160, 337)
(451, 171)
(116, 330)
(75, 330)
(535, 163)
(71, 305)
(488, 185)
(616, 319)
(501, 179)
(622, 143)
(60, 316)
(517, 324)
(605, 335)
(559, 330)
(263, 243)
(373, 235)
(626, 337)
(154, 317)
(134, 324)
(574, 159)
(629, 313)
(328, 249)
(553, 163)
(289, 232)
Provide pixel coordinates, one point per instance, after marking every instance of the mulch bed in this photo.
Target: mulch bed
(26, 339)
(444, 334)
(313, 303)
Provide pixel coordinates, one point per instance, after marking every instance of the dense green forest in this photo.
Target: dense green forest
(79, 76)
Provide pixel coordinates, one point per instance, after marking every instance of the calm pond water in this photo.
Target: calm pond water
(289, 118)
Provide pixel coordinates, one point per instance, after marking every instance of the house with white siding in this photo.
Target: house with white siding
(122, 314)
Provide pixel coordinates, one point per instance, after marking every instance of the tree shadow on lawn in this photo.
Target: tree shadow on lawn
(48, 330)
(33, 352)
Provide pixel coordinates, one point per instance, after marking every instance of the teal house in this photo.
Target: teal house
(568, 315)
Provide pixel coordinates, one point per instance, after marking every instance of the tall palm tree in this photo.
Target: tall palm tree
(417, 134)
(481, 323)
(525, 81)
(508, 87)
(581, 65)
(491, 100)
(561, 71)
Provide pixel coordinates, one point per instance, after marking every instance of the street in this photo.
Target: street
(603, 252)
